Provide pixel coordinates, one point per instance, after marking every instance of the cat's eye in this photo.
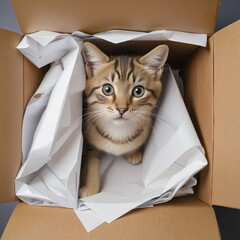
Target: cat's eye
(107, 89)
(138, 91)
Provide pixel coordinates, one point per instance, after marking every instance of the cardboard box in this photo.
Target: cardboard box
(211, 93)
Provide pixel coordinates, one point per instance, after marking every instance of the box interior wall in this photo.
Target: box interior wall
(198, 17)
(32, 77)
(200, 75)
(211, 79)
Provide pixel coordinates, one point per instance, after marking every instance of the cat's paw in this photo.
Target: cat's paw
(135, 158)
(87, 191)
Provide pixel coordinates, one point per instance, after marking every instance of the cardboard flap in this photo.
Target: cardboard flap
(197, 74)
(182, 218)
(11, 107)
(226, 165)
(102, 15)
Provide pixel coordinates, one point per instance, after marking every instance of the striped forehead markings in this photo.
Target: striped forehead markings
(112, 76)
(131, 70)
(116, 66)
(124, 67)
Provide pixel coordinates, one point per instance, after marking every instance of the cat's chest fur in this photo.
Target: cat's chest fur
(116, 140)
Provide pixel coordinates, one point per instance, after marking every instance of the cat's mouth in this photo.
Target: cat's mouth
(120, 118)
(119, 121)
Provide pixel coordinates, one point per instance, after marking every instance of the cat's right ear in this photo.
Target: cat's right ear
(93, 57)
(155, 60)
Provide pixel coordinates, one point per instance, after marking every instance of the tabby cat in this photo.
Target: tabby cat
(121, 92)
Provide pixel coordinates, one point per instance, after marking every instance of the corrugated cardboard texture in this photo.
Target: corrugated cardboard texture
(101, 15)
(181, 219)
(198, 82)
(226, 172)
(11, 110)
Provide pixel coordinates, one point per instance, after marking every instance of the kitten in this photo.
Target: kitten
(121, 92)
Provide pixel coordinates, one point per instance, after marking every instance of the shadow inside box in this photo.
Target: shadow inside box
(6, 210)
(229, 222)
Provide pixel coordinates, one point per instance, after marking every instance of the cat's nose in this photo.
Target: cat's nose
(122, 110)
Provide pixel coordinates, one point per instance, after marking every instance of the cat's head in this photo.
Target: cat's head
(123, 89)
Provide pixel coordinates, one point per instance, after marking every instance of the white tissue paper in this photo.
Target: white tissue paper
(52, 137)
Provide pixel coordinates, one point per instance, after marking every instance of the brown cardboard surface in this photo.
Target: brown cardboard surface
(198, 87)
(101, 15)
(11, 112)
(19, 79)
(183, 218)
(226, 172)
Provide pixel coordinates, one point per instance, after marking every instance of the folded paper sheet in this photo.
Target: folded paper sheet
(52, 138)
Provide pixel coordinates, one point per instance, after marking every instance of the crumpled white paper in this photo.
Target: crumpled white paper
(117, 36)
(52, 137)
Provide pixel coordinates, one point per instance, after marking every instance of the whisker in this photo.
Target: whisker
(94, 117)
(153, 122)
(91, 113)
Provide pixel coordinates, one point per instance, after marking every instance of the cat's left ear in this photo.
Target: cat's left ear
(93, 57)
(155, 59)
